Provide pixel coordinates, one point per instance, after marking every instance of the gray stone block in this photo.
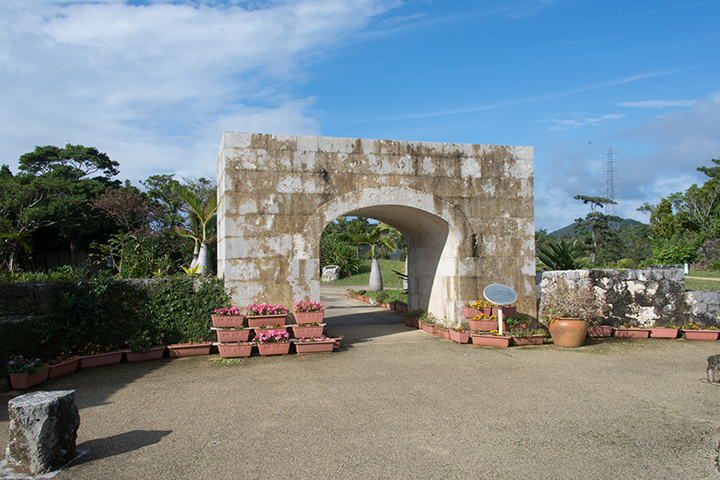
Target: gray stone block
(43, 431)
(713, 369)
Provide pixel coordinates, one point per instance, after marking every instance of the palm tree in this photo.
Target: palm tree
(202, 225)
(379, 237)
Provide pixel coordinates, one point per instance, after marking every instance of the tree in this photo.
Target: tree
(561, 256)
(380, 237)
(595, 221)
(201, 226)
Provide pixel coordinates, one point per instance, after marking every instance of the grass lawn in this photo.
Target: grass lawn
(362, 278)
(695, 284)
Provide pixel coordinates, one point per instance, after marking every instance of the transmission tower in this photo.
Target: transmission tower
(611, 189)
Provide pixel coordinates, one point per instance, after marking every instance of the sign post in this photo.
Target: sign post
(500, 295)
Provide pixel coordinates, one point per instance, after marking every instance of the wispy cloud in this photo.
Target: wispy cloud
(569, 124)
(658, 104)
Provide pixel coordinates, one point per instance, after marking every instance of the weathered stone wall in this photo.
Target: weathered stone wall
(636, 297)
(466, 212)
(704, 307)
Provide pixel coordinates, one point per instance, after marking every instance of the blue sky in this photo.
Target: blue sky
(155, 83)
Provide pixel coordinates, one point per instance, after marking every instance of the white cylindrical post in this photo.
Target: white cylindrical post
(500, 319)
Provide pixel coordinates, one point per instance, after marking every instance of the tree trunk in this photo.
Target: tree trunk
(203, 259)
(376, 282)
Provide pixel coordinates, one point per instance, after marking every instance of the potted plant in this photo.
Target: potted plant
(427, 322)
(95, 355)
(527, 336)
(26, 372)
(320, 344)
(235, 350)
(567, 311)
(485, 322)
(490, 339)
(232, 335)
(143, 345)
(663, 331)
(473, 309)
(273, 342)
(308, 330)
(308, 312)
(263, 313)
(695, 332)
(631, 331)
(63, 364)
(191, 348)
(459, 335)
(411, 318)
(227, 317)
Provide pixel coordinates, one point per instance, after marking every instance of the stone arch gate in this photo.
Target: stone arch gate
(466, 212)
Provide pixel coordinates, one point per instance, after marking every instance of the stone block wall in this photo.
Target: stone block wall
(640, 297)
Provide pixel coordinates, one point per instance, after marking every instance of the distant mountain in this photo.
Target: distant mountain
(569, 231)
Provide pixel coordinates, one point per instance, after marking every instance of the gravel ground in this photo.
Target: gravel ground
(396, 403)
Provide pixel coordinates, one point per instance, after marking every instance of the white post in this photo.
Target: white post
(500, 320)
(687, 269)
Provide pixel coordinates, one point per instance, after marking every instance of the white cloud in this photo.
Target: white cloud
(158, 83)
(581, 121)
(658, 104)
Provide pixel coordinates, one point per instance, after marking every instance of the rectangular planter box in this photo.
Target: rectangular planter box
(701, 334)
(267, 320)
(305, 348)
(485, 325)
(62, 369)
(662, 332)
(233, 336)
(228, 321)
(600, 331)
(427, 327)
(149, 354)
(274, 348)
(459, 337)
(235, 350)
(470, 312)
(491, 340)
(632, 333)
(189, 349)
(21, 381)
(308, 317)
(530, 340)
(101, 360)
(507, 311)
(302, 331)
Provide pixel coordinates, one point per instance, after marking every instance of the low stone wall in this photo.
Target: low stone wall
(641, 297)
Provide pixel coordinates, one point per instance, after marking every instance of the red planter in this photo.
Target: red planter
(507, 311)
(20, 381)
(189, 349)
(529, 340)
(260, 320)
(415, 323)
(485, 325)
(501, 341)
(427, 327)
(62, 369)
(235, 350)
(302, 331)
(228, 321)
(632, 333)
(701, 334)
(274, 348)
(600, 331)
(470, 312)
(308, 317)
(304, 348)
(233, 336)
(663, 332)
(443, 333)
(141, 356)
(459, 337)
(100, 360)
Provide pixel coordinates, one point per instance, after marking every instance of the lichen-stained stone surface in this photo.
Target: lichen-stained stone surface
(466, 212)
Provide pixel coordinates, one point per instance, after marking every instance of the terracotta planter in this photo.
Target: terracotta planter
(62, 369)
(470, 312)
(485, 325)
(302, 331)
(228, 321)
(427, 327)
(141, 356)
(501, 341)
(260, 320)
(632, 333)
(664, 332)
(444, 333)
(100, 360)
(600, 331)
(259, 330)
(304, 348)
(274, 348)
(507, 311)
(21, 381)
(233, 336)
(235, 350)
(568, 332)
(407, 321)
(189, 349)
(701, 334)
(459, 337)
(529, 340)
(308, 317)
(415, 322)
